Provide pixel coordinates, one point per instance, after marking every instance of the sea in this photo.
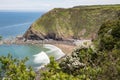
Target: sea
(13, 24)
(16, 23)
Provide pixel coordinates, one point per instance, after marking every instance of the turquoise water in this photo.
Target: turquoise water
(22, 51)
(16, 23)
(19, 51)
(38, 54)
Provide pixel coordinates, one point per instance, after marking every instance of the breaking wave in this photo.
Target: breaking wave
(54, 51)
(42, 58)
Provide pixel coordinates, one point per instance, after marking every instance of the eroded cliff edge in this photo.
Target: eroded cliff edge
(81, 22)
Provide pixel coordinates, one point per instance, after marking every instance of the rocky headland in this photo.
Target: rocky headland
(81, 22)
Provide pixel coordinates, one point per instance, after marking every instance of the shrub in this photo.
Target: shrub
(14, 69)
(109, 35)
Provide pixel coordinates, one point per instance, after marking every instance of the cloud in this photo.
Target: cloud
(45, 5)
(24, 5)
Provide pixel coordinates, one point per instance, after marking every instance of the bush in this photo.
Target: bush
(14, 69)
(85, 64)
(87, 60)
(109, 35)
(54, 72)
(74, 67)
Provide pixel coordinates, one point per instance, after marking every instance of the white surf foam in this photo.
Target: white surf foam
(54, 51)
(41, 58)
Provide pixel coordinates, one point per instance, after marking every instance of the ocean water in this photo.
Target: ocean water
(16, 23)
(38, 54)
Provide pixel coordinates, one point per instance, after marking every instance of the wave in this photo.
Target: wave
(42, 58)
(21, 24)
(54, 51)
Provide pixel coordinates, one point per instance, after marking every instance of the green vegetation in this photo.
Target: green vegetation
(14, 69)
(90, 64)
(54, 72)
(100, 63)
(69, 68)
(0, 37)
(78, 22)
(109, 35)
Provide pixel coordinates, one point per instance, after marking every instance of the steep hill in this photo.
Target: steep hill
(81, 22)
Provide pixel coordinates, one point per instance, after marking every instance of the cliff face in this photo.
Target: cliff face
(73, 23)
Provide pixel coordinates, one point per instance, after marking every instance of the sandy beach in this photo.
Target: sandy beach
(67, 49)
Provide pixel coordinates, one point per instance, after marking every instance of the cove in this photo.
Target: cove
(38, 54)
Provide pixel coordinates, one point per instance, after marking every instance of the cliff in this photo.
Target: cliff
(81, 22)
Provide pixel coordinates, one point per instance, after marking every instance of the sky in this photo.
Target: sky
(45, 5)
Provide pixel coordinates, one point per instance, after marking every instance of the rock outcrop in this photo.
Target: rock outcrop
(81, 22)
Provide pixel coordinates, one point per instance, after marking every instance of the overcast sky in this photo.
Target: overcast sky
(45, 5)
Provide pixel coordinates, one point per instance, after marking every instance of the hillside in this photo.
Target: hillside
(81, 22)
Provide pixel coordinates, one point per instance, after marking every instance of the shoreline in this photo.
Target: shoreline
(67, 46)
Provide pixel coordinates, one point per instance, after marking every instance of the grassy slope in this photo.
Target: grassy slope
(77, 22)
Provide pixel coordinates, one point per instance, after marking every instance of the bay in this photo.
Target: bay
(16, 23)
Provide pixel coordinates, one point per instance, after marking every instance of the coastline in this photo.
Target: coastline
(66, 46)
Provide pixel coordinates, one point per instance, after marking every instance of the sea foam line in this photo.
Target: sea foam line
(16, 25)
